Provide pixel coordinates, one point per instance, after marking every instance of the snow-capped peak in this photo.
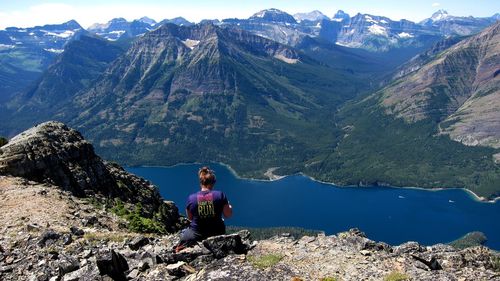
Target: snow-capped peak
(147, 20)
(341, 16)
(440, 15)
(274, 15)
(311, 16)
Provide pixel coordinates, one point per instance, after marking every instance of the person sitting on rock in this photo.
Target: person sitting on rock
(205, 209)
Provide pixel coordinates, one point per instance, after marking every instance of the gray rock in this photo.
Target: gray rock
(33, 227)
(67, 264)
(180, 269)
(76, 231)
(83, 274)
(133, 274)
(112, 264)
(223, 245)
(48, 238)
(408, 247)
(138, 242)
(90, 221)
(67, 239)
(433, 264)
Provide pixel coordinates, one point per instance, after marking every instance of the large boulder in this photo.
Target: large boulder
(52, 152)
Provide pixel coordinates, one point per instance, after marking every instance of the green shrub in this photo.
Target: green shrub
(136, 221)
(119, 209)
(265, 261)
(396, 276)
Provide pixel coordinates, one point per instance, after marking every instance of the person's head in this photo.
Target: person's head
(207, 177)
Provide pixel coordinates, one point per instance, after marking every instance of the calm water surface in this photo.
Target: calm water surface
(392, 215)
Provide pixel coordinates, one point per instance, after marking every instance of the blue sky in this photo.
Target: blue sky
(24, 13)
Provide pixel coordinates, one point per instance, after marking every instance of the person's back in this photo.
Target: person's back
(205, 209)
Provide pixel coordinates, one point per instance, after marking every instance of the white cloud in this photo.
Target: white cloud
(436, 4)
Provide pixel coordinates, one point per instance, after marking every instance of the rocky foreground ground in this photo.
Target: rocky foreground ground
(56, 223)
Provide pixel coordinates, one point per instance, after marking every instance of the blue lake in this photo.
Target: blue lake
(392, 215)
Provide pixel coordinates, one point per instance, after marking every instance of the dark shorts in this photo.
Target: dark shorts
(189, 236)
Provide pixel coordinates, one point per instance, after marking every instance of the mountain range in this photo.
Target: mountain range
(351, 100)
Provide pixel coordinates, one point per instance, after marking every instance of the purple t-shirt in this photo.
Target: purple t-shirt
(206, 208)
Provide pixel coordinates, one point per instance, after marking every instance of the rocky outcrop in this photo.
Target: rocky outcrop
(55, 154)
(52, 152)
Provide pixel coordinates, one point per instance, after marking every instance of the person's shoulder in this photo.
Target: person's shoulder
(219, 194)
(193, 195)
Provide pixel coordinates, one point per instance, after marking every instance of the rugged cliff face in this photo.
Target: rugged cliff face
(55, 154)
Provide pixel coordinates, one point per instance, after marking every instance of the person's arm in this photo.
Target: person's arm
(189, 215)
(228, 210)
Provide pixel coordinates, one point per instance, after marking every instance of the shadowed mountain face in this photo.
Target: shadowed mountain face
(209, 93)
(458, 88)
(239, 93)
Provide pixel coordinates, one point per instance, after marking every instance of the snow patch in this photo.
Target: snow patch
(52, 50)
(5, 46)
(405, 35)
(65, 34)
(370, 19)
(260, 14)
(384, 21)
(318, 25)
(377, 29)
(337, 19)
(285, 59)
(190, 43)
(117, 32)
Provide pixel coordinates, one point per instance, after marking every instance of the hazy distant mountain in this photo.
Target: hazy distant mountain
(26, 52)
(75, 69)
(147, 20)
(311, 16)
(341, 16)
(178, 21)
(273, 15)
(452, 25)
(375, 33)
(121, 28)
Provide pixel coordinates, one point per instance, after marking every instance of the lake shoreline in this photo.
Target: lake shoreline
(273, 177)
